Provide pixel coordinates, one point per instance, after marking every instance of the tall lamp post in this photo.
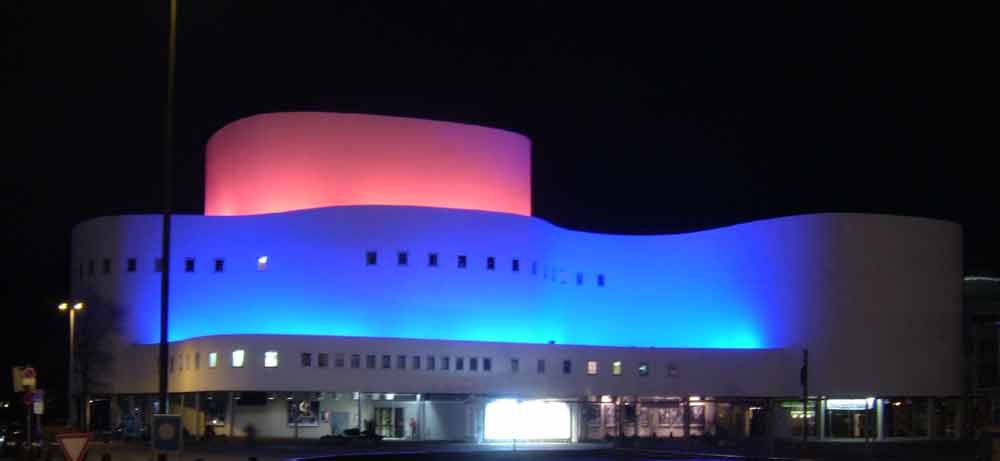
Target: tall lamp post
(72, 309)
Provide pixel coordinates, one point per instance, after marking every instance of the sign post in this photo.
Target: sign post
(74, 445)
(168, 434)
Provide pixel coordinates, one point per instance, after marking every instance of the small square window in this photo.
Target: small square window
(401, 362)
(541, 365)
(567, 367)
(431, 362)
(643, 369)
(445, 363)
(579, 278)
(371, 258)
(462, 261)
(370, 361)
(515, 365)
(213, 359)
(487, 364)
(238, 356)
(402, 258)
(323, 360)
(386, 362)
(270, 359)
(459, 363)
(158, 265)
(131, 264)
(262, 264)
(416, 362)
(197, 360)
(307, 359)
(473, 364)
(106, 266)
(491, 263)
(355, 360)
(591, 367)
(616, 368)
(534, 268)
(220, 265)
(515, 265)
(432, 260)
(600, 280)
(338, 360)
(188, 264)
(90, 267)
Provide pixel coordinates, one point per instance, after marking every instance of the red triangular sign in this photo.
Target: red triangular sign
(74, 445)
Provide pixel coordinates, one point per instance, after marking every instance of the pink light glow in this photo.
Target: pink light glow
(298, 160)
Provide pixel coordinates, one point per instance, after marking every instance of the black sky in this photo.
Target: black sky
(645, 117)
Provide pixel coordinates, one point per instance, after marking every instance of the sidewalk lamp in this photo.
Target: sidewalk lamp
(72, 308)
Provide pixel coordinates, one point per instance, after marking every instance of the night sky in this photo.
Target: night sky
(643, 119)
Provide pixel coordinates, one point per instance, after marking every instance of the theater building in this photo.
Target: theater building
(354, 270)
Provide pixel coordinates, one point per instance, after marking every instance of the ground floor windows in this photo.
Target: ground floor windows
(271, 359)
(238, 356)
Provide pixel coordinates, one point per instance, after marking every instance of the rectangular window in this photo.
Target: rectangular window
(402, 258)
(416, 362)
(473, 364)
(106, 266)
(567, 367)
(541, 365)
(386, 362)
(307, 359)
(370, 361)
(355, 360)
(171, 364)
(238, 356)
(401, 362)
(371, 258)
(220, 264)
(491, 263)
(643, 369)
(188, 264)
(459, 363)
(592, 367)
(270, 359)
(600, 280)
(338, 360)
(534, 268)
(130, 265)
(431, 362)
(90, 267)
(213, 359)
(579, 278)
(432, 260)
(515, 265)
(487, 364)
(323, 360)
(197, 360)
(462, 261)
(515, 365)
(262, 264)
(445, 363)
(616, 367)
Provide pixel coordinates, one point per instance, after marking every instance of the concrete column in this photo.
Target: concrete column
(686, 416)
(821, 418)
(231, 414)
(361, 420)
(931, 424)
(199, 417)
(879, 419)
(574, 422)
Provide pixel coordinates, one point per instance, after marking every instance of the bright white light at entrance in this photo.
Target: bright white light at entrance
(850, 404)
(507, 419)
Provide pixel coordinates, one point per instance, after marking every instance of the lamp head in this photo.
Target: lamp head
(63, 306)
(78, 306)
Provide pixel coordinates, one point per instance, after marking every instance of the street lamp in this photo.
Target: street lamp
(72, 308)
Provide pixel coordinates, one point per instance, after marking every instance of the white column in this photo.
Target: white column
(821, 419)
(879, 419)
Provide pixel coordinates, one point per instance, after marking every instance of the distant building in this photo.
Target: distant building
(354, 268)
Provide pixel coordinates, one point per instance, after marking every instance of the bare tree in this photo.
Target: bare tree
(97, 331)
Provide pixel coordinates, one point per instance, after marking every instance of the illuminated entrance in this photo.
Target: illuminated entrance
(509, 419)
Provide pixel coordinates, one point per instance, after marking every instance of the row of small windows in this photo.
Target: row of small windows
(402, 362)
(462, 262)
(132, 265)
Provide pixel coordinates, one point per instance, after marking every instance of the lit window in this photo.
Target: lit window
(386, 361)
(371, 258)
(579, 278)
(473, 364)
(616, 367)
(401, 362)
(432, 260)
(188, 264)
(462, 261)
(130, 265)
(307, 359)
(431, 362)
(158, 265)
(541, 365)
(643, 369)
(567, 367)
(515, 265)
(592, 367)
(445, 363)
(491, 263)
(197, 360)
(323, 360)
(238, 356)
(459, 363)
(487, 364)
(270, 359)
(355, 360)
(213, 359)
(600, 280)
(262, 263)
(338, 360)
(369, 361)
(106, 266)
(416, 362)
(402, 258)
(220, 264)
(515, 365)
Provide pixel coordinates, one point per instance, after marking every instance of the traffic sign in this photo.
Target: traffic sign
(74, 445)
(29, 398)
(25, 378)
(167, 433)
